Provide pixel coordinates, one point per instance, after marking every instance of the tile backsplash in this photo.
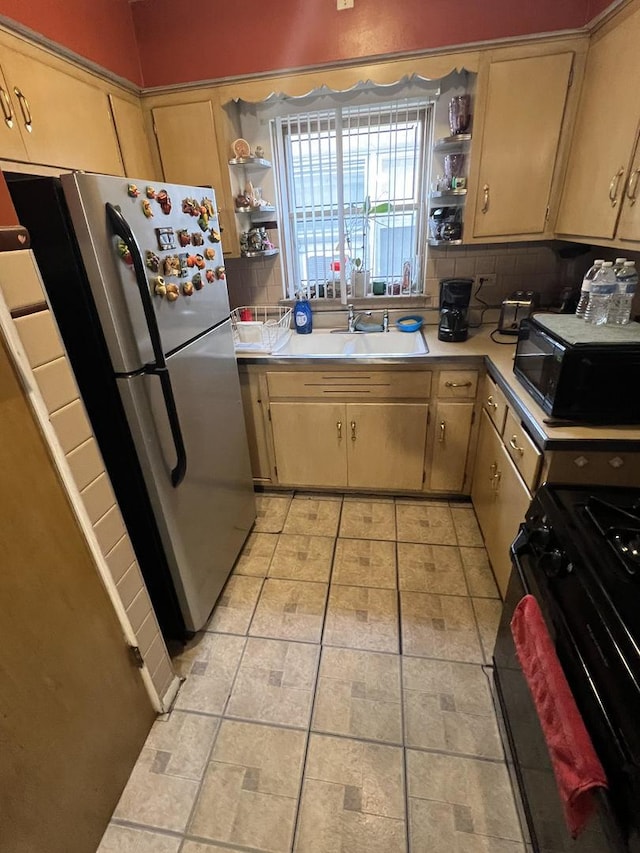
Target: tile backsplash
(546, 267)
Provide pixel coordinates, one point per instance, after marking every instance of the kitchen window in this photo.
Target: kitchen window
(352, 195)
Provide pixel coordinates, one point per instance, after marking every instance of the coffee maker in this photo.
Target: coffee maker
(455, 295)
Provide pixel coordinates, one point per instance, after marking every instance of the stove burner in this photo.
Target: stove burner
(621, 529)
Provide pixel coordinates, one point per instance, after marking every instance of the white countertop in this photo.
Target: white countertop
(499, 361)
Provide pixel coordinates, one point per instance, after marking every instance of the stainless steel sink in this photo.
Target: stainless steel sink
(324, 344)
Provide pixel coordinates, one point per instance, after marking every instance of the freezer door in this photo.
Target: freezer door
(206, 519)
(112, 279)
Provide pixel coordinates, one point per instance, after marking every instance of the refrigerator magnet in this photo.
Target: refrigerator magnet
(197, 239)
(146, 208)
(199, 261)
(211, 276)
(220, 272)
(152, 261)
(124, 253)
(150, 193)
(164, 201)
(190, 206)
(172, 265)
(210, 254)
(183, 258)
(214, 236)
(172, 292)
(184, 238)
(197, 281)
(166, 238)
(187, 288)
(133, 191)
(159, 286)
(208, 206)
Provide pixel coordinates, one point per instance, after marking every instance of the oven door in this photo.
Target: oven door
(525, 744)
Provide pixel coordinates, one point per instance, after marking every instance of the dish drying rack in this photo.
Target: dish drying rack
(259, 328)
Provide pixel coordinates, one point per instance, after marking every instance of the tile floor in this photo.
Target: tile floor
(338, 700)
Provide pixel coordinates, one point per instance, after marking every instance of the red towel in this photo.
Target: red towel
(575, 763)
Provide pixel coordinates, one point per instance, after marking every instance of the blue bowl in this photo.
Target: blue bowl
(410, 323)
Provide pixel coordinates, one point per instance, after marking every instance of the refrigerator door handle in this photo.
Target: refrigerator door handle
(122, 229)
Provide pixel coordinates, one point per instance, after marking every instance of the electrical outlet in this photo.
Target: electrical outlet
(345, 4)
(486, 291)
(486, 281)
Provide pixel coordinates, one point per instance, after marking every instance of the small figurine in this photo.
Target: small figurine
(133, 191)
(220, 272)
(160, 287)
(150, 192)
(187, 288)
(152, 261)
(259, 152)
(125, 254)
(172, 292)
(184, 238)
(146, 209)
(197, 239)
(164, 201)
(199, 262)
(209, 253)
(197, 281)
(210, 275)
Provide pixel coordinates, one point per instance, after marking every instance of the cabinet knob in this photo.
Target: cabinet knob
(485, 198)
(339, 428)
(491, 402)
(24, 108)
(513, 443)
(632, 186)
(353, 430)
(614, 185)
(443, 428)
(7, 109)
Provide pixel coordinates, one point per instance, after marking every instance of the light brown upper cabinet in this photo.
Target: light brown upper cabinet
(601, 182)
(521, 126)
(188, 148)
(132, 138)
(59, 119)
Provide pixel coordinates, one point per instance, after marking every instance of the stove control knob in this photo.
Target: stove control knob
(541, 537)
(553, 563)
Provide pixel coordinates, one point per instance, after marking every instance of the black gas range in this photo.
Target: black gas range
(578, 554)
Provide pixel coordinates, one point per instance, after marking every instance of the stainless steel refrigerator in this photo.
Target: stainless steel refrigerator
(149, 273)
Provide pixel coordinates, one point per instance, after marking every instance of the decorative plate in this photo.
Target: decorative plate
(241, 148)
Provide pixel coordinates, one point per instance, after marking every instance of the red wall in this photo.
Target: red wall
(100, 30)
(185, 40)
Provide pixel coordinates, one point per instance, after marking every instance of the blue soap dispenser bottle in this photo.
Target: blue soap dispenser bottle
(302, 316)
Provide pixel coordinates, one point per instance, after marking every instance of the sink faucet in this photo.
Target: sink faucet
(385, 320)
(353, 319)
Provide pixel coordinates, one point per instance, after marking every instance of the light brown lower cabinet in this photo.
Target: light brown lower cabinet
(451, 444)
(500, 499)
(361, 445)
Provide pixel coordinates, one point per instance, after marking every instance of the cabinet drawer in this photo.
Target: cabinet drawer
(494, 403)
(459, 384)
(522, 450)
(361, 385)
(602, 468)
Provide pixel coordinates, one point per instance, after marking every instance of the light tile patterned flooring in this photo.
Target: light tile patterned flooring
(338, 701)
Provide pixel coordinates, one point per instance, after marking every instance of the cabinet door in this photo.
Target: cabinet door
(310, 443)
(483, 493)
(452, 432)
(629, 222)
(132, 138)
(71, 122)
(11, 145)
(386, 444)
(254, 421)
(523, 119)
(187, 141)
(511, 503)
(603, 134)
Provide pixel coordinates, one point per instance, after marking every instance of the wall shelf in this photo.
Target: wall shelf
(451, 141)
(445, 193)
(264, 253)
(445, 242)
(250, 161)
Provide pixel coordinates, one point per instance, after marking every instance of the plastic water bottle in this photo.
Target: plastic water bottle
(585, 291)
(603, 287)
(626, 283)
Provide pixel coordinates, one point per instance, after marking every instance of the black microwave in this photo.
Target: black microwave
(580, 372)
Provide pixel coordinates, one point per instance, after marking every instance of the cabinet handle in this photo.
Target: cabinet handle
(449, 384)
(513, 442)
(613, 186)
(353, 430)
(443, 428)
(24, 108)
(632, 186)
(491, 402)
(485, 198)
(495, 484)
(6, 107)
(492, 469)
(339, 428)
